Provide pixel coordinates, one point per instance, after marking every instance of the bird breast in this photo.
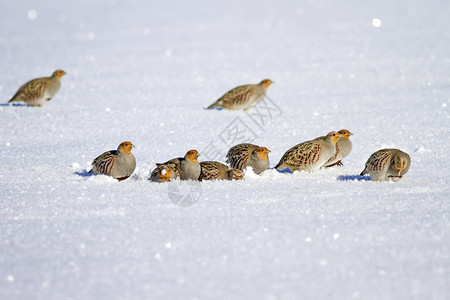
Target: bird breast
(125, 165)
(53, 87)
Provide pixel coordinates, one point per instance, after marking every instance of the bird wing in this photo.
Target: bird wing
(238, 156)
(32, 90)
(104, 163)
(302, 155)
(209, 171)
(238, 95)
(379, 160)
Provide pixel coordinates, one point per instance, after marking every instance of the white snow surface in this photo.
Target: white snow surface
(144, 70)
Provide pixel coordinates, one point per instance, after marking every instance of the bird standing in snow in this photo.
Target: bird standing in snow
(343, 149)
(243, 97)
(215, 170)
(387, 164)
(311, 155)
(243, 155)
(119, 164)
(38, 91)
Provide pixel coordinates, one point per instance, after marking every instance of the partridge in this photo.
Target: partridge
(215, 170)
(387, 164)
(163, 173)
(38, 91)
(119, 164)
(243, 97)
(185, 167)
(173, 164)
(343, 149)
(311, 155)
(243, 155)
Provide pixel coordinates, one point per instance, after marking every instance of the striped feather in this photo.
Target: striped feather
(104, 163)
(238, 156)
(241, 97)
(379, 161)
(301, 156)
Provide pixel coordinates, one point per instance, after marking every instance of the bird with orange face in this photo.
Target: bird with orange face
(310, 155)
(243, 97)
(243, 155)
(163, 173)
(119, 164)
(343, 149)
(38, 91)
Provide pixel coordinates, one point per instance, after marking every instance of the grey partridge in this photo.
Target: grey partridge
(38, 91)
(119, 164)
(243, 97)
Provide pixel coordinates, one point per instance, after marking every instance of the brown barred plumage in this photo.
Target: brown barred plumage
(38, 91)
(215, 170)
(387, 164)
(243, 97)
(311, 155)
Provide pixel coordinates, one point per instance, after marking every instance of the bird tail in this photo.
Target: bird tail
(212, 105)
(280, 165)
(363, 172)
(11, 100)
(218, 104)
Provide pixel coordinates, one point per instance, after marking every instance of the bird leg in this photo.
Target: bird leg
(338, 163)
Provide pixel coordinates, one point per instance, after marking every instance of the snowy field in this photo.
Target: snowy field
(144, 70)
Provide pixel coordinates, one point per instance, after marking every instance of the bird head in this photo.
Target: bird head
(345, 134)
(261, 152)
(334, 136)
(192, 156)
(126, 147)
(165, 174)
(266, 83)
(59, 73)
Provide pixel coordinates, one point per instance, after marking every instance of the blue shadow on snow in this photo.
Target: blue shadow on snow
(83, 173)
(287, 170)
(353, 177)
(15, 104)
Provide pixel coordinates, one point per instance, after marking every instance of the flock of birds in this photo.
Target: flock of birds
(322, 152)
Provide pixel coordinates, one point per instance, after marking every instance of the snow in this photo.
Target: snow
(144, 70)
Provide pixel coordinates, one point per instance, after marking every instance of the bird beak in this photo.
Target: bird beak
(133, 146)
(198, 154)
(268, 151)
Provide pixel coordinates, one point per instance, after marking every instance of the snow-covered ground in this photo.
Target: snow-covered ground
(143, 71)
